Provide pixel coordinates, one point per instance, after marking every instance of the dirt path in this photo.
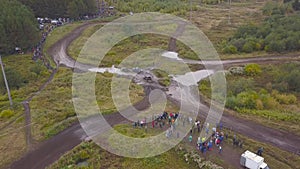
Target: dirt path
(260, 60)
(49, 151)
(27, 113)
(172, 43)
(59, 50)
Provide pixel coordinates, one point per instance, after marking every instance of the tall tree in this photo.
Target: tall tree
(61, 8)
(18, 26)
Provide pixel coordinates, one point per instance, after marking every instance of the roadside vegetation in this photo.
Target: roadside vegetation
(269, 92)
(76, 46)
(24, 78)
(90, 155)
(279, 32)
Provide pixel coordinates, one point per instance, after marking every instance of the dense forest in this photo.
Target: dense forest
(18, 26)
(165, 6)
(61, 8)
(279, 32)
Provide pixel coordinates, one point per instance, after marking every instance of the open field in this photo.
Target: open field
(211, 19)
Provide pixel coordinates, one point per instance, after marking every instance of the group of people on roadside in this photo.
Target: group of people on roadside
(216, 138)
(159, 120)
(204, 144)
(38, 49)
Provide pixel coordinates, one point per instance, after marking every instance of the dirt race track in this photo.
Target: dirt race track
(49, 151)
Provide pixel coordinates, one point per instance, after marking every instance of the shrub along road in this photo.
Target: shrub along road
(50, 150)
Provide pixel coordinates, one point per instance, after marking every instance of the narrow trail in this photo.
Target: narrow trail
(50, 150)
(259, 60)
(172, 43)
(56, 51)
(28, 134)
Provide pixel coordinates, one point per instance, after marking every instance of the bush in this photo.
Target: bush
(37, 68)
(230, 49)
(259, 105)
(252, 69)
(270, 103)
(84, 155)
(279, 32)
(283, 98)
(243, 100)
(277, 46)
(15, 79)
(248, 47)
(6, 114)
(239, 85)
(293, 80)
(239, 43)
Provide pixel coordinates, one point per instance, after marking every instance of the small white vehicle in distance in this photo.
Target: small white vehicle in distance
(252, 161)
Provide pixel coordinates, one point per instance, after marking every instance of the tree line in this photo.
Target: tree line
(177, 7)
(279, 32)
(18, 24)
(61, 8)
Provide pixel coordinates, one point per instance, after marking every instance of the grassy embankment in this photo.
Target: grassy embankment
(95, 157)
(25, 77)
